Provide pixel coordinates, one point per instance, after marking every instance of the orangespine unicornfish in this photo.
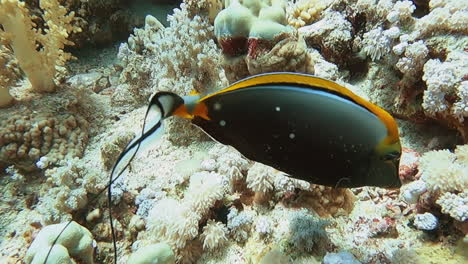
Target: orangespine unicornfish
(311, 128)
(308, 127)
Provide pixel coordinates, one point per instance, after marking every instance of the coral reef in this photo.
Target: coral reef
(188, 199)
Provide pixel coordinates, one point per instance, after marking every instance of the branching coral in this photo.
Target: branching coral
(38, 52)
(376, 43)
(332, 34)
(181, 58)
(240, 223)
(444, 16)
(260, 178)
(444, 171)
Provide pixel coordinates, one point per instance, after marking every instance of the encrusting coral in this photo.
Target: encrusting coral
(38, 51)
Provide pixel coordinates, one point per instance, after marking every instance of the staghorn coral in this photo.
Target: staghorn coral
(18, 29)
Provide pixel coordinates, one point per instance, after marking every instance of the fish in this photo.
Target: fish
(310, 128)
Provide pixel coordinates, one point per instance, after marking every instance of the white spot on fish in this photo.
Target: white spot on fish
(277, 109)
(292, 135)
(222, 123)
(217, 106)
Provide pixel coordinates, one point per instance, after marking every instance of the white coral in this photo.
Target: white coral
(456, 205)
(260, 178)
(214, 235)
(410, 192)
(376, 44)
(442, 172)
(415, 57)
(444, 16)
(460, 108)
(444, 78)
(204, 190)
(402, 10)
(426, 221)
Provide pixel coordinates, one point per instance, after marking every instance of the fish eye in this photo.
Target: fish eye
(394, 155)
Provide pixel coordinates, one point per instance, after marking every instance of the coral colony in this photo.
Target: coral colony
(188, 199)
